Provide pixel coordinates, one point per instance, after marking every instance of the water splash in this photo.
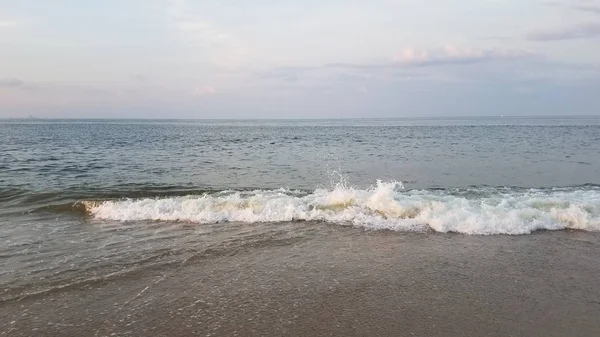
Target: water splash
(382, 206)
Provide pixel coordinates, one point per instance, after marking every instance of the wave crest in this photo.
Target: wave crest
(383, 206)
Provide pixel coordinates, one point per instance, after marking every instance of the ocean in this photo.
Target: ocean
(456, 226)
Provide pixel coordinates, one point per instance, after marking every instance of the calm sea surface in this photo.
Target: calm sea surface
(83, 156)
(81, 200)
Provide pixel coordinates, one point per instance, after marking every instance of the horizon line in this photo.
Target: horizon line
(36, 118)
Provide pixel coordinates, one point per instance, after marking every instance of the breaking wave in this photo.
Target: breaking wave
(479, 211)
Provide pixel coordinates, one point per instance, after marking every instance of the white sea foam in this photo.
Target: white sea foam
(384, 206)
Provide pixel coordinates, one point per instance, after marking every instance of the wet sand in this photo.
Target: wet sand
(329, 280)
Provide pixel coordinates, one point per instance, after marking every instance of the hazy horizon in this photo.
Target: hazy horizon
(457, 117)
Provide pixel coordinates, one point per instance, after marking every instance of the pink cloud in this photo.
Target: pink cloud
(453, 54)
(204, 91)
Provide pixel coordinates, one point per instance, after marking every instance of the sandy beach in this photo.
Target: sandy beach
(327, 280)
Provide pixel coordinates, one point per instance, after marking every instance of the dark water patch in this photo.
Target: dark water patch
(35, 197)
(77, 208)
(11, 193)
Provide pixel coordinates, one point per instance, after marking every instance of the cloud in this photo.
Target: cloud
(414, 58)
(204, 91)
(583, 31)
(139, 78)
(450, 66)
(13, 23)
(447, 66)
(286, 74)
(207, 41)
(11, 83)
(6, 24)
(451, 54)
(406, 59)
(584, 6)
(587, 8)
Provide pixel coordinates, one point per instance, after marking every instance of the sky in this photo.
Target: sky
(298, 58)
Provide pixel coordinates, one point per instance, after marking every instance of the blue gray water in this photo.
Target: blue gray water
(83, 199)
(57, 156)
